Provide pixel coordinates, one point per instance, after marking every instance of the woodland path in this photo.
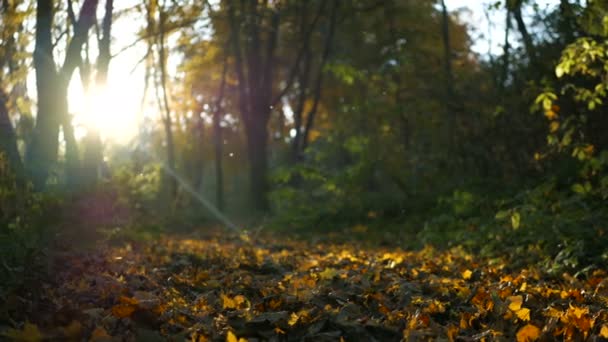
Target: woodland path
(224, 288)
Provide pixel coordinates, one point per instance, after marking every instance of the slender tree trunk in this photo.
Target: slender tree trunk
(8, 139)
(52, 88)
(310, 118)
(506, 53)
(218, 143)
(449, 78)
(523, 30)
(167, 120)
(303, 80)
(43, 149)
(255, 92)
(93, 147)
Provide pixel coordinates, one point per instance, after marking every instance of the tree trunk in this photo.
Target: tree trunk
(521, 26)
(310, 118)
(506, 53)
(449, 78)
(167, 120)
(218, 143)
(257, 149)
(43, 149)
(8, 139)
(52, 86)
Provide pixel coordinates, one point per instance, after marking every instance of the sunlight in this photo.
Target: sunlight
(111, 110)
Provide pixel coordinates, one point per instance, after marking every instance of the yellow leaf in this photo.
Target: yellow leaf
(29, 333)
(293, 319)
(604, 331)
(328, 274)
(466, 275)
(515, 302)
(550, 114)
(227, 302)
(528, 333)
(554, 126)
(231, 337)
(523, 314)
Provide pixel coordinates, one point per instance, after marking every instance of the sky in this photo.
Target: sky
(475, 13)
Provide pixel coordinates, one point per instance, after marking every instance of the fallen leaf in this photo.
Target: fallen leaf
(123, 310)
(523, 314)
(528, 333)
(328, 273)
(100, 335)
(29, 333)
(466, 275)
(515, 302)
(604, 331)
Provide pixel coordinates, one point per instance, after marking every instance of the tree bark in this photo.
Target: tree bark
(449, 78)
(43, 149)
(8, 139)
(52, 88)
(93, 146)
(506, 53)
(310, 118)
(167, 120)
(218, 143)
(523, 30)
(303, 80)
(255, 91)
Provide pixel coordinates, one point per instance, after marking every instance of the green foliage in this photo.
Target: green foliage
(26, 220)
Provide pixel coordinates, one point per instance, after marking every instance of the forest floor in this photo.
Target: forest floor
(222, 287)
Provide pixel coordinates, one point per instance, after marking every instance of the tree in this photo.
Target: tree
(51, 86)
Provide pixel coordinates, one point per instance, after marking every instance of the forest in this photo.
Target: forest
(303, 170)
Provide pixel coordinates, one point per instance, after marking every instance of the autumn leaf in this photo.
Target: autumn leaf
(523, 314)
(29, 333)
(100, 335)
(231, 337)
(515, 302)
(604, 331)
(293, 319)
(233, 303)
(466, 275)
(123, 310)
(328, 274)
(528, 333)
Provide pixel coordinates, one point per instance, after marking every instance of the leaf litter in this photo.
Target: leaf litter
(221, 288)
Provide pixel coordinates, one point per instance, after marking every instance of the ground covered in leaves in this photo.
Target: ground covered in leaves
(226, 288)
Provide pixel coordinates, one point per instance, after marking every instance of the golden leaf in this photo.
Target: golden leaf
(523, 314)
(231, 337)
(227, 302)
(328, 274)
(293, 319)
(554, 126)
(528, 333)
(604, 331)
(550, 114)
(29, 333)
(466, 275)
(515, 302)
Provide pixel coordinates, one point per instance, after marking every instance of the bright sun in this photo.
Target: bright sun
(111, 110)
